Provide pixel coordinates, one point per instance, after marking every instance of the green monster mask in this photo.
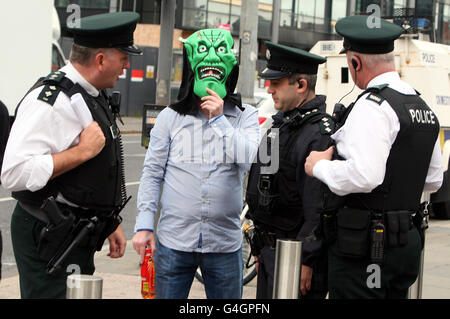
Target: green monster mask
(211, 58)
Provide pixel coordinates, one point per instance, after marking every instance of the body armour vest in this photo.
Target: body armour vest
(97, 184)
(274, 199)
(409, 158)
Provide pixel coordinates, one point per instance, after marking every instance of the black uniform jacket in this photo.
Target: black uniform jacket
(297, 207)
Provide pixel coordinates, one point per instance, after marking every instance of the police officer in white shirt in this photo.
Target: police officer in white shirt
(65, 144)
(389, 153)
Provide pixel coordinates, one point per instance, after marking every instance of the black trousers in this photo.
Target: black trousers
(34, 281)
(351, 278)
(266, 270)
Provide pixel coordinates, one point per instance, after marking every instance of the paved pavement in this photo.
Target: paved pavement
(121, 277)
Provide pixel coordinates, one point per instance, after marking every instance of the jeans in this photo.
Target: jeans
(175, 270)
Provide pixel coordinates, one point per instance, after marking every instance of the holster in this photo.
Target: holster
(54, 237)
(420, 220)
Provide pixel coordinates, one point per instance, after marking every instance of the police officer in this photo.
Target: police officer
(65, 145)
(388, 141)
(4, 133)
(283, 201)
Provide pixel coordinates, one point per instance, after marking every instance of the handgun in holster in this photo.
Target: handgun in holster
(57, 231)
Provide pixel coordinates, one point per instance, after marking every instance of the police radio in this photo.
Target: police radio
(265, 187)
(114, 102)
(377, 234)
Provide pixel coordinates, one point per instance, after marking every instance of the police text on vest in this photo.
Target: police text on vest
(422, 116)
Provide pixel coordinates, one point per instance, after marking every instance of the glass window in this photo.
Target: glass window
(286, 13)
(93, 4)
(320, 16)
(424, 7)
(218, 13)
(399, 4)
(200, 4)
(214, 19)
(305, 14)
(194, 18)
(235, 7)
(222, 6)
(338, 11)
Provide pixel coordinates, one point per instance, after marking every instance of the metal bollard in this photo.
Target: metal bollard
(84, 287)
(288, 265)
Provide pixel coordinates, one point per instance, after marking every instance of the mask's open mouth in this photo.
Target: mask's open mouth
(211, 71)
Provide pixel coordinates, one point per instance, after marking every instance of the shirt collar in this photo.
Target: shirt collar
(229, 109)
(76, 77)
(383, 78)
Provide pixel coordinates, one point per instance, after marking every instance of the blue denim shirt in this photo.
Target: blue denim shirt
(202, 164)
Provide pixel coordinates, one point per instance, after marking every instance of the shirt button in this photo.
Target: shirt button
(204, 219)
(204, 180)
(204, 201)
(214, 125)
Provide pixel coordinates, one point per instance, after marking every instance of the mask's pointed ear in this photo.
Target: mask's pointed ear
(188, 49)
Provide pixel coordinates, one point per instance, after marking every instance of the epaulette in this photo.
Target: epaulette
(326, 125)
(374, 97)
(49, 94)
(51, 90)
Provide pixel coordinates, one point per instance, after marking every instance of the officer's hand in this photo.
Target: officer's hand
(141, 240)
(117, 243)
(314, 157)
(305, 283)
(92, 141)
(213, 104)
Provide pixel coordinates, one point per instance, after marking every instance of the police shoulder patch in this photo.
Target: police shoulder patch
(375, 98)
(49, 94)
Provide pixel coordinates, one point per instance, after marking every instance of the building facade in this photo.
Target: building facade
(301, 24)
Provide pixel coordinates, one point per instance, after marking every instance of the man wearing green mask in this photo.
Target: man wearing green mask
(200, 148)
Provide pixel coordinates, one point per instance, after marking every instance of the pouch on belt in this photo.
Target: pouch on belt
(353, 232)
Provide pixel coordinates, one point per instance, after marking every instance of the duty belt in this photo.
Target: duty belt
(270, 237)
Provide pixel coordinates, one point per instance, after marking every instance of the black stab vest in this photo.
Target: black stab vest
(285, 213)
(97, 184)
(409, 158)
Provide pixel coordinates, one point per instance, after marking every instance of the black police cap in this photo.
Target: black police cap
(282, 61)
(107, 30)
(365, 34)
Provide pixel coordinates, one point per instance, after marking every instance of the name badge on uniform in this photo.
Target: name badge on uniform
(114, 131)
